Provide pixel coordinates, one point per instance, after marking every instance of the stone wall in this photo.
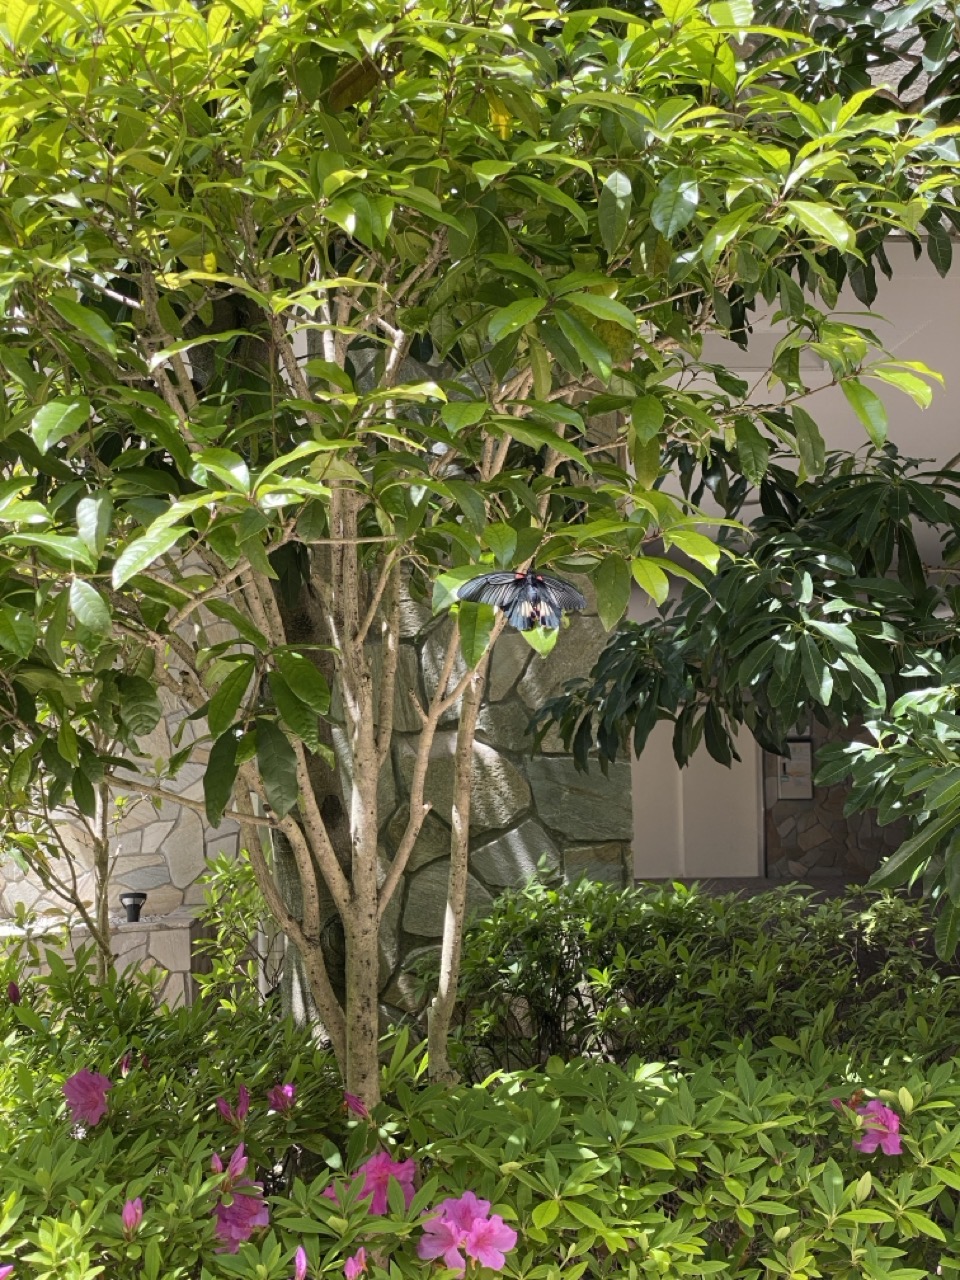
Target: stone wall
(812, 838)
(157, 848)
(165, 944)
(526, 810)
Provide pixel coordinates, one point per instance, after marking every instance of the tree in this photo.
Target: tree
(310, 306)
(826, 611)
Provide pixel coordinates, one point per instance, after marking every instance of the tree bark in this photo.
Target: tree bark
(440, 1013)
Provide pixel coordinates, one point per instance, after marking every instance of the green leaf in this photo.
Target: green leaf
(140, 708)
(84, 795)
(58, 419)
(545, 1213)
(242, 624)
(502, 540)
(300, 719)
(604, 308)
(305, 681)
(731, 13)
(94, 516)
(613, 212)
(816, 674)
(868, 407)
(586, 344)
(278, 767)
(823, 223)
(695, 545)
(752, 450)
(556, 196)
(652, 579)
(462, 413)
(476, 623)
(612, 582)
(944, 792)
(675, 202)
(542, 639)
(18, 633)
(646, 417)
(509, 319)
(913, 853)
(947, 933)
(810, 444)
(143, 551)
(88, 322)
(446, 586)
(220, 775)
(225, 703)
(89, 607)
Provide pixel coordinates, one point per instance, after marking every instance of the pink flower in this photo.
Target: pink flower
(442, 1238)
(282, 1097)
(241, 1207)
(465, 1211)
(236, 1116)
(356, 1105)
(238, 1220)
(488, 1240)
(86, 1095)
(131, 1216)
(881, 1129)
(13, 995)
(6, 1271)
(377, 1172)
(374, 1177)
(464, 1224)
(300, 1264)
(355, 1266)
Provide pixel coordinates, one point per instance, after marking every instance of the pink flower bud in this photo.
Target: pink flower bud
(132, 1216)
(300, 1264)
(13, 995)
(243, 1103)
(282, 1098)
(355, 1266)
(238, 1163)
(6, 1271)
(216, 1164)
(125, 1063)
(356, 1105)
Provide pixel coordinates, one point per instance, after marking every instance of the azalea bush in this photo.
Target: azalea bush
(793, 1161)
(671, 972)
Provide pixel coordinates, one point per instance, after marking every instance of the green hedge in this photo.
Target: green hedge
(673, 973)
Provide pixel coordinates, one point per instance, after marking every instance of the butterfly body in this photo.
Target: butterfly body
(531, 599)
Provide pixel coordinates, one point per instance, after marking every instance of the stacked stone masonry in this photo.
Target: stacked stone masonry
(811, 839)
(527, 811)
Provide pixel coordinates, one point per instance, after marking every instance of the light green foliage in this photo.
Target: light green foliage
(741, 1167)
(670, 972)
(503, 199)
(63, 1190)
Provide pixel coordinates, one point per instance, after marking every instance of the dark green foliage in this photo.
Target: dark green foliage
(828, 612)
(671, 973)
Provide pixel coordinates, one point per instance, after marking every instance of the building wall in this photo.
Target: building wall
(811, 839)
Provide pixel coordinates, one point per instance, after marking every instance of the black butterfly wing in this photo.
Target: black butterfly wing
(561, 595)
(499, 589)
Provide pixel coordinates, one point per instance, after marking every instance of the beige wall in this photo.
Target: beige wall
(705, 820)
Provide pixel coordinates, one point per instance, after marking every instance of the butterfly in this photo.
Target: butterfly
(528, 599)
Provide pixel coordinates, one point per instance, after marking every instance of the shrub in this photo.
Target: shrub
(747, 1168)
(673, 973)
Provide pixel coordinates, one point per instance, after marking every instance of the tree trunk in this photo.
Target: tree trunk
(440, 1013)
